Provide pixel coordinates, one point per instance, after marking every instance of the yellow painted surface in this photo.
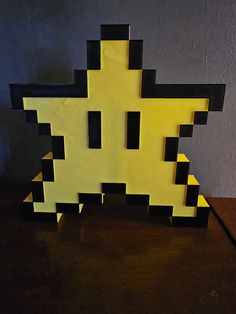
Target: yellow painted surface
(192, 180)
(182, 158)
(114, 90)
(48, 156)
(80, 207)
(39, 177)
(29, 198)
(202, 202)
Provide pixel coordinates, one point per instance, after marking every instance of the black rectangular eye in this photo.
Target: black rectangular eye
(133, 129)
(94, 129)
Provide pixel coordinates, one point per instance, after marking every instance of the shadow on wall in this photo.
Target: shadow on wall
(21, 147)
(36, 47)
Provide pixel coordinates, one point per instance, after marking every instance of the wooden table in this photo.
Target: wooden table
(109, 262)
(225, 211)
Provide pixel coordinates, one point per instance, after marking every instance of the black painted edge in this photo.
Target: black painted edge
(192, 195)
(160, 210)
(186, 130)
(200, 221)
(177, 221)
(90, 198)
(171, 148)
(18, 91)
(28, 210)
(47, 169)
(31, 216)
(137, 199)
(182, 171)
(135, 54)
(37, 191)
(65, 208)
(215, 92)
(148, 83)
(114, 188)
(31, 116)
(81, 80)
(44, 128)
(115, 31)
(58, 149)
(200, 117)
(93, 55)
(202, 216)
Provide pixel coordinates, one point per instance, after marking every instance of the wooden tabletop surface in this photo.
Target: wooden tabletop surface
(110, 262)
(225, 210)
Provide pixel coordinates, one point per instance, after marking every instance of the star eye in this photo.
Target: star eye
(94, 129)
(133, 129)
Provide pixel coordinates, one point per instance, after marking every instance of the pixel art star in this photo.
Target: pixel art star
(115, 131)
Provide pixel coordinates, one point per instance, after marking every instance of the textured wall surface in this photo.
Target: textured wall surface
(187, 41)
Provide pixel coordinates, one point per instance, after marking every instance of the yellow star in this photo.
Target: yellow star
(123, 101)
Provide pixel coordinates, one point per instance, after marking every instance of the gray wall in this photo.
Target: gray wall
(191, 41)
